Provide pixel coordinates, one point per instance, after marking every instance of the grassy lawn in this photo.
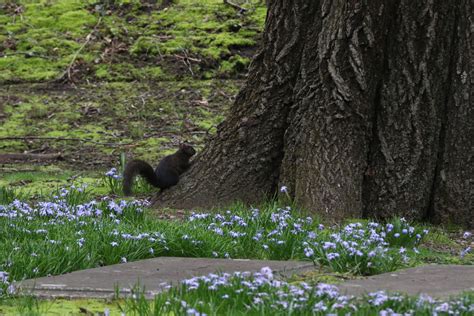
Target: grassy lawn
(74, 229)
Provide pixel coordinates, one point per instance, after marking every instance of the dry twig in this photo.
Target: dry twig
(235, 6)
(29, 157)
(67, 73)
(63, 139)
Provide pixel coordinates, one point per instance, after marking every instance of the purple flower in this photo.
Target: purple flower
(111, 172)
(378, 298)
(465, 251)
(308, 252)
(442, 308)
(194, 312)
(327, 289)
(332, 255)
(320, 307)
(328, 245)
(3, 277)
(267, 272)
(284, 189)
(80, 242)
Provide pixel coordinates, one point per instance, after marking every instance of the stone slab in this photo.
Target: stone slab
(440, 281)
(150, 274)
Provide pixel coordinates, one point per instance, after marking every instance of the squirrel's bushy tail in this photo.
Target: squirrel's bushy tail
(138, 167)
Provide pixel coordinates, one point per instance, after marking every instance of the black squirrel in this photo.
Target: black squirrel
(165, 175)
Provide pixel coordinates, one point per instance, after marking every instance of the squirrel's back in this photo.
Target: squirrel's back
(166, 173)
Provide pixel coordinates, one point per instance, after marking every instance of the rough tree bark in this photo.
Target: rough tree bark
(360, 108)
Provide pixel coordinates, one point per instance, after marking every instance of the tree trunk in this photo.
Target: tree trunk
(360, 108)
(453, 188)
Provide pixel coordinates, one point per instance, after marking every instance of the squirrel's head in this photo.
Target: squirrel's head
(187, 149)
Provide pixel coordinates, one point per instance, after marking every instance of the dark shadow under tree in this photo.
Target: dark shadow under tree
(360, 108)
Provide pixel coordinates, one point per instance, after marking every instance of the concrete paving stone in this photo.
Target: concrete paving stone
(439, 281)
(150, 274)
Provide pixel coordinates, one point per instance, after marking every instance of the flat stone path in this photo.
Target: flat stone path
(434, 280)
(440, 281)
(151, 274)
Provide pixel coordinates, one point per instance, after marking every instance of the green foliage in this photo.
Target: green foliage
(400, 233)
(261, 294)
(70, 231)
(7, 195)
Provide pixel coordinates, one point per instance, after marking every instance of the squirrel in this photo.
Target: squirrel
(165, 175)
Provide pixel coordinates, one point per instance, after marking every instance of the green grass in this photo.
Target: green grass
(261, 294)
(265, 299)
(71, 231)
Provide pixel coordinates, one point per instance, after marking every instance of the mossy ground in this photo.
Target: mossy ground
(140, 79)
(31, 306)
(126, 40)
(92, 125)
